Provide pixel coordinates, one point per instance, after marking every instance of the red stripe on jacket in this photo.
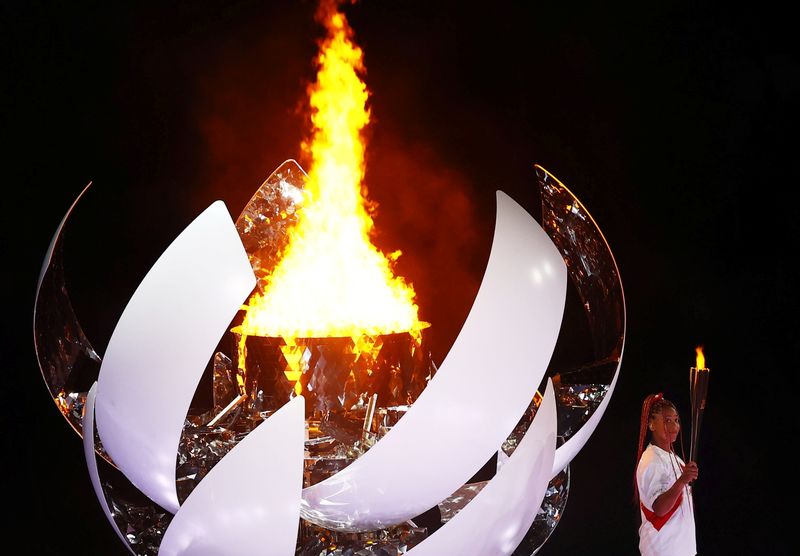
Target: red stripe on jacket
(659, 521)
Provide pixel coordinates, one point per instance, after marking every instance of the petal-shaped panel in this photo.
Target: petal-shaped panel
(91, 462)
(595, 276)
(160, 347)
(66, 358)
(476, 397)
(249, 503)
(500, 515)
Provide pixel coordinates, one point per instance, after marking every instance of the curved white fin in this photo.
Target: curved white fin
(91, 462)
(476, 397)
(160, 347)
(496, 520)
(249, 503)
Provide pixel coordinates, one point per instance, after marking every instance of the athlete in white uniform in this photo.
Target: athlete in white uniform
(663, 484)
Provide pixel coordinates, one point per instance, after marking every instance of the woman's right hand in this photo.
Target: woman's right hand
(689, 474)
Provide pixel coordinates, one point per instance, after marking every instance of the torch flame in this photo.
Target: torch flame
(331, 280)
(700, 358)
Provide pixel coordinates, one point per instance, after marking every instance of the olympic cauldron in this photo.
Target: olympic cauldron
(362, 441)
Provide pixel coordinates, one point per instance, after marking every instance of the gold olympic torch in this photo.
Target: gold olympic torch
(698, 388)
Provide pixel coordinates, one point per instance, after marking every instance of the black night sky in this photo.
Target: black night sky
(674, 122)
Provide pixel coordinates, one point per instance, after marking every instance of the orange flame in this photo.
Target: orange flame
(331, 280)
(700, 358)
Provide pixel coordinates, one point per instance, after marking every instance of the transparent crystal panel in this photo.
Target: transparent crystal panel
(265, 220)
(548, 516)
(594, 275)
(68, 362)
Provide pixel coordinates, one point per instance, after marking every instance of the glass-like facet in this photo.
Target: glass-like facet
(68, 362)
(225, 387)
(576, 402)
(265, 220)
(450, 506)
(395, 541)
(592, 272)
(548, 516)
(142, 522)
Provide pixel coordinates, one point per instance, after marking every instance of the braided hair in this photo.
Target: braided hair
(653, 405)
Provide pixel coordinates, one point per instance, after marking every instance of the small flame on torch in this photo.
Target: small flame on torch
(700, 358)
(698, 390)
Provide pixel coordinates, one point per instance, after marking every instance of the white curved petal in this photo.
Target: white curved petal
(476, 397)
(91, 461)
(499, 516)
(249, 503)
(567, 451)
(161, 345)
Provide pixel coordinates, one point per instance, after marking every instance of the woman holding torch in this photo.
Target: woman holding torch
(662, 484)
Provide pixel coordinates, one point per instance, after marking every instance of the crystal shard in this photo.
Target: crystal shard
(201, 448)
(576, 403)
(395, 541)
(225, 387)
(548, 516)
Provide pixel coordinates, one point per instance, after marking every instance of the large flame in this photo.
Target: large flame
(331, 280)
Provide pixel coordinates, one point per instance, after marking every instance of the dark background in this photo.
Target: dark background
(673, 123)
